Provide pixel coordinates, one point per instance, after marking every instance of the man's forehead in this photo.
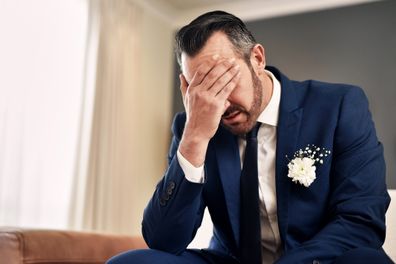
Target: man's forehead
(191, 65)
(217, 44)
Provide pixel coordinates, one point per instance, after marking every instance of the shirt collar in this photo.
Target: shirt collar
(270, 113)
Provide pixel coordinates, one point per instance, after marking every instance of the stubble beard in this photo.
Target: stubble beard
(252, 114)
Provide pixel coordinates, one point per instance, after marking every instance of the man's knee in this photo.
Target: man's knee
(152, 256)
(131, 257)
(364, 256)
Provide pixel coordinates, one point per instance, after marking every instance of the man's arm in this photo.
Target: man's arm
(359, 198)
(205, 101)
(175, 211)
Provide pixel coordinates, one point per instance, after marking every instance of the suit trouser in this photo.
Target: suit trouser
(152, 256)
(190, 256)
(364, 256)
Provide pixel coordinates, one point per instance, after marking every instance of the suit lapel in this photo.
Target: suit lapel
(227, 153)
(286, 146)
(289, 123)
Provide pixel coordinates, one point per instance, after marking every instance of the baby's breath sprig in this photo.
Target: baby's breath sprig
(313, 152)
(302, 167)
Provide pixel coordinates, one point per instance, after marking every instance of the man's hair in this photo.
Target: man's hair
(191, 38)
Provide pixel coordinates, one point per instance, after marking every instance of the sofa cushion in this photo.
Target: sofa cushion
(19, 246)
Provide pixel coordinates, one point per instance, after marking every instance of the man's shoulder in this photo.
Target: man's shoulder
(315, 88)
(310, 91)
(326, 88)
(323, 99)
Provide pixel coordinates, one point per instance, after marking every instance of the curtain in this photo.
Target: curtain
(42, 46)
(129, 135)
(85, 104)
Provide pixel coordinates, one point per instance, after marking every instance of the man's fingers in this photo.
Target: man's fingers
(224, 93)
(203, 70)
(216, 78)
(227, 77)
(218, 73)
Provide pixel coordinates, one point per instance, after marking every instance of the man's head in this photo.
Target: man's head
(191, 38)
(219, 34)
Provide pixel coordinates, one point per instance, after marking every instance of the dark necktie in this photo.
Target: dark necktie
(250, 235)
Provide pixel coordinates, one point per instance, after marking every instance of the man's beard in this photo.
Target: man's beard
(252, 114)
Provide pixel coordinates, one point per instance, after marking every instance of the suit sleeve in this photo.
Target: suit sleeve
(358, 199)
(176, 208)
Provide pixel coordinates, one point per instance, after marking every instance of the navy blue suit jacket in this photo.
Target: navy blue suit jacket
(343, 208)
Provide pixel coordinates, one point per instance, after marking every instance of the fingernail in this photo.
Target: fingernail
(236, 67)
(232, 60)
(215, 57)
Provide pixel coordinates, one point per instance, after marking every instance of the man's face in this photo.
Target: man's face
(246, 100)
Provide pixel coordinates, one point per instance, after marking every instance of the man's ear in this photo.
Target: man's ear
(257, 59)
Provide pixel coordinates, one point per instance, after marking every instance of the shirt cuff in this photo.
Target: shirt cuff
(191, 173)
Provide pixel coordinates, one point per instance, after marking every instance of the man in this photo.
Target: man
(308, 188)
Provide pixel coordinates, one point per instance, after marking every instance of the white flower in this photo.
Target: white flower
(302, 170)
(302, 166)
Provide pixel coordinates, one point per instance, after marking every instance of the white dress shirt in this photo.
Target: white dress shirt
(270, 238)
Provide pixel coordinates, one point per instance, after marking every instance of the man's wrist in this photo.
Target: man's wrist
(193, 149)
(191, 173)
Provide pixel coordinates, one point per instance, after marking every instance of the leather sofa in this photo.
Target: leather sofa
(24, 246)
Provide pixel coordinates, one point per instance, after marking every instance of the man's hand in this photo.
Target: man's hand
(205, 101)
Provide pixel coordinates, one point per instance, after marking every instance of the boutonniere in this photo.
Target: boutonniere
(302, 167)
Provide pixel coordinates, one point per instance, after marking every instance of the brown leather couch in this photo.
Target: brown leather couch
(24, 246)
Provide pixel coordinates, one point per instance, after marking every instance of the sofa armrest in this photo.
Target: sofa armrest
(20, 246)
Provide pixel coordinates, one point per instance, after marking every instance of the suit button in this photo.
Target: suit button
(315, 261)
(162, 202)
(165, 197)
(171, 185)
